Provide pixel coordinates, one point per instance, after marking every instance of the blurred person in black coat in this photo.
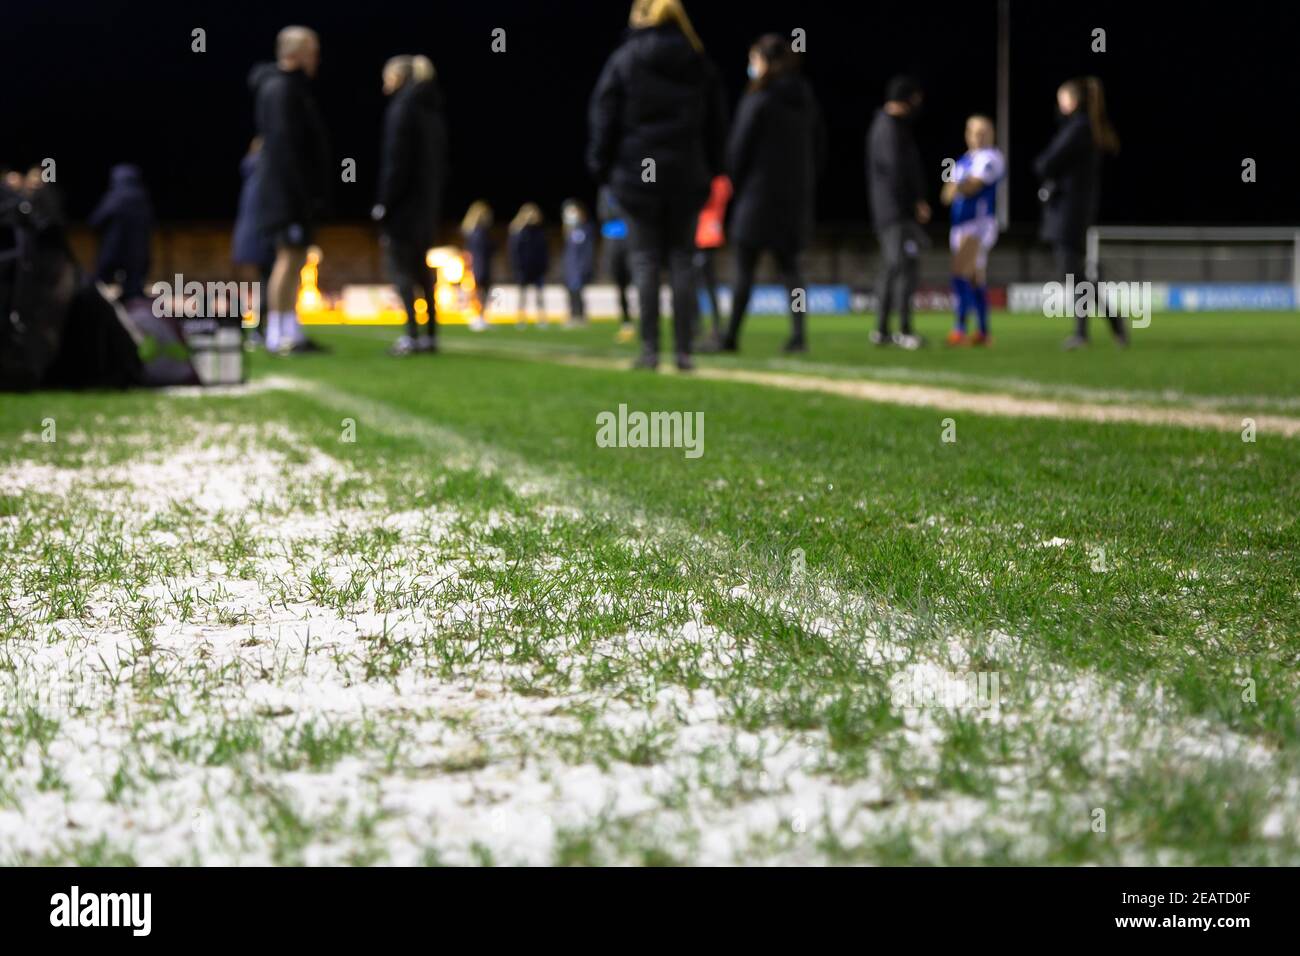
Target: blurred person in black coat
(658, 130)
(899, 211)
(124, 221)
(776, 150)
(1069, 170)
(412, 171)
(529, 257)
(614, 251)
(579, 257)
(476, 232)
(250, 250)
(293, 175)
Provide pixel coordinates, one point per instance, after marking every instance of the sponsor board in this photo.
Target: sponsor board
(1166, 297)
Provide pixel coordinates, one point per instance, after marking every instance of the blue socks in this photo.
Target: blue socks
(964, 293)
(980, 295)
(969, 296)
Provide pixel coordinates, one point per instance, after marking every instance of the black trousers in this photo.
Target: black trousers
(541, 299)
(706, 273)
(577, 305)
(620, 272)
(412, 278)
(659, 235)
(1070, 260)
(901, 244)
(787, 260)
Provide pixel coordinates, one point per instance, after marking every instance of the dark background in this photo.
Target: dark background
(1194, 88)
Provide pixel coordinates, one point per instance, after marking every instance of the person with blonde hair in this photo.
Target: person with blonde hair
(412, 170)
(422, 70)
(657, 138)
(1069, 170)
(476, 230)
(972, 193)
(529, 256)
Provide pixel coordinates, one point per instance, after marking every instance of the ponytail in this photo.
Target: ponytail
(1103, 133)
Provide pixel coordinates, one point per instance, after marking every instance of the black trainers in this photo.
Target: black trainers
(684, 363)
(795, 347)
(427, 345)
(646, 361)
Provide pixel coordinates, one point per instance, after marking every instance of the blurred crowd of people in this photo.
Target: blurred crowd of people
(677, 180)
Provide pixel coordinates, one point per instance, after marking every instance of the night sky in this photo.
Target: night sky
(1194, 88)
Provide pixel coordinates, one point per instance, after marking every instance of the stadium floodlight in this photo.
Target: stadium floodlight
(1234, 259)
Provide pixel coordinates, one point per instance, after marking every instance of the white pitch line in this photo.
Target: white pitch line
(997, 404)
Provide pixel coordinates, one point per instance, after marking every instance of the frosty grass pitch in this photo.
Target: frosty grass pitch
(228, 633)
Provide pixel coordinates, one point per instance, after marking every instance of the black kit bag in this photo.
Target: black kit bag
(38, 282)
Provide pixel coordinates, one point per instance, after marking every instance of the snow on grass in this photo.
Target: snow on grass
(254, 678)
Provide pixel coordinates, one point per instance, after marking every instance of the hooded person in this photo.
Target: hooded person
(124, 221)
(657, 137)
(776, 150)
(899, 211)
(412, 170)
(293, 186)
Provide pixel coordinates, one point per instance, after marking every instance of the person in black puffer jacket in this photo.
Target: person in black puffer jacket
(411, 175)
(777, 148)
(658, 129)
(529, 258)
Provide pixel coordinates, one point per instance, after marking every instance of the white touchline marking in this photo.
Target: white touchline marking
(996, 404)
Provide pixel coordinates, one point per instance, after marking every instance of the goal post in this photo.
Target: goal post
(1246, 264)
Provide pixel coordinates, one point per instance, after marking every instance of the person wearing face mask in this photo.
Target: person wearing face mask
(579, 257)
(1069, 170)
(776, 149)
(899, 211)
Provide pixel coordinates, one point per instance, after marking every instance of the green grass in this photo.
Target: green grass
(1222, 356)
(568, 579)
